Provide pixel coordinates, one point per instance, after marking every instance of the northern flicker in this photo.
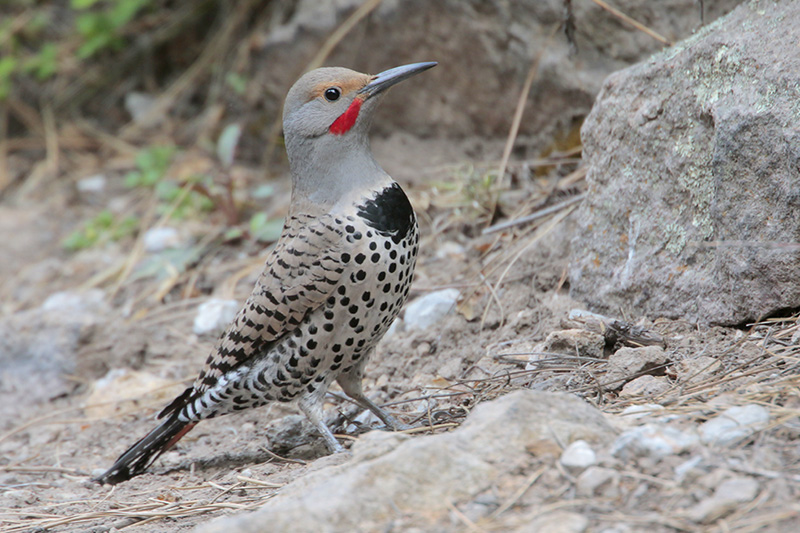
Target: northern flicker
(332, 285)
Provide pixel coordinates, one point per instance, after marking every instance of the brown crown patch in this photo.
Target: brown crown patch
(347, 85)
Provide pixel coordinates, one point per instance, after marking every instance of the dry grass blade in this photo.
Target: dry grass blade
(341, 32)
(533, 216)
(519, 492)
(636, 24)
(216, 46)
(523, 98)
(423, 429)
(471, 526)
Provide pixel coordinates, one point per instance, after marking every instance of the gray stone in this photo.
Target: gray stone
(92, 184)
(214, 315)
(39, 348)
(729, 495)
(653, 440)
(390, 475)
(427, 310)
(626, 363)
(645, 387)
(578, 456)
(693, 169)
(734, 425)
(640, 411)
(139, 106)
(598, 481)
(557, 522)
(574, 342)
(161, 238)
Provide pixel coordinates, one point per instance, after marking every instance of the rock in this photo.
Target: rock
(644, 387)
(645, 410)
(92, 301)
(39, 347)
(452, 251)
(626, 363)
(139, 105)
(729, 495)
(557, 522)
(389, 475)
(429, 309)
(692, 164)
(695, 369)
(18, 498)
(121, 389)
(653, 440)
(92, 184)
(214, 315)
(574, 342)
(688, 468)
(734, 425)
(578, 456)
(598, 481)
(158, 239)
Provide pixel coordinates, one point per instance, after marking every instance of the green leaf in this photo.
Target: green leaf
(226, 145)
(265, 230)
(237, 82)
(82, 4)
(8, 65)
(263, 191)
(44, 64)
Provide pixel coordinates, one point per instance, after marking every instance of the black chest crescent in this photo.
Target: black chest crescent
(389, 213)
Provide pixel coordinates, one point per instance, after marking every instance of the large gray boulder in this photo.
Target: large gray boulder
(694, 176)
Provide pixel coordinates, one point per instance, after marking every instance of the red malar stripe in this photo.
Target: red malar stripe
(343, 124)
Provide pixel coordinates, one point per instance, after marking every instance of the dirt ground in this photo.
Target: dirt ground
(513, 294)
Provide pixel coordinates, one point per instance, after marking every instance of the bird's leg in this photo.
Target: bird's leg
(312, 408)
(351, 385)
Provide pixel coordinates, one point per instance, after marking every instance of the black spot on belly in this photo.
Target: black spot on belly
(389, 213)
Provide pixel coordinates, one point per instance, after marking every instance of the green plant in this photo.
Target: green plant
(103, 28)
(264, 229)
(179, 200)
(181, 203)
(36, 47)
(151, 166)
(104, 226)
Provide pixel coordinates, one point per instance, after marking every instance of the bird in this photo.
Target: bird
(331, 287)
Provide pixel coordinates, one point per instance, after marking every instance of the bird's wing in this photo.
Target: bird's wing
(300, 275)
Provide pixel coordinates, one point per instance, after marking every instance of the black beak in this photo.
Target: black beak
(387, 78)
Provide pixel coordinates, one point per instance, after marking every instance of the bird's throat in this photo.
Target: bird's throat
(347, 119)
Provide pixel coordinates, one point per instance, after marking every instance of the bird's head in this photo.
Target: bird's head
(326, 118)
(338, 101)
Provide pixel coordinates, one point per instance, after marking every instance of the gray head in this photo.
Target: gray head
(326, 119)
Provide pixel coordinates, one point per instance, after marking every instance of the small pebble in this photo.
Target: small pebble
(159, 239)
(729, 495)
(214, 315)
(734, 425)
(578, 456)
(598, 481)
(92, 184)
(652, 440)
(429, 309)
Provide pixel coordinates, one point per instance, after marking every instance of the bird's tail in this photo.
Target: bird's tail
(142, 454)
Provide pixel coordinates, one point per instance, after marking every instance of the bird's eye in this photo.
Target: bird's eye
(332, 94)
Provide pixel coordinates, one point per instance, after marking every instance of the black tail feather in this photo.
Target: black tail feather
(142, 454)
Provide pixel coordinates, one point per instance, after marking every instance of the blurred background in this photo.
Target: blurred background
(113, 113)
